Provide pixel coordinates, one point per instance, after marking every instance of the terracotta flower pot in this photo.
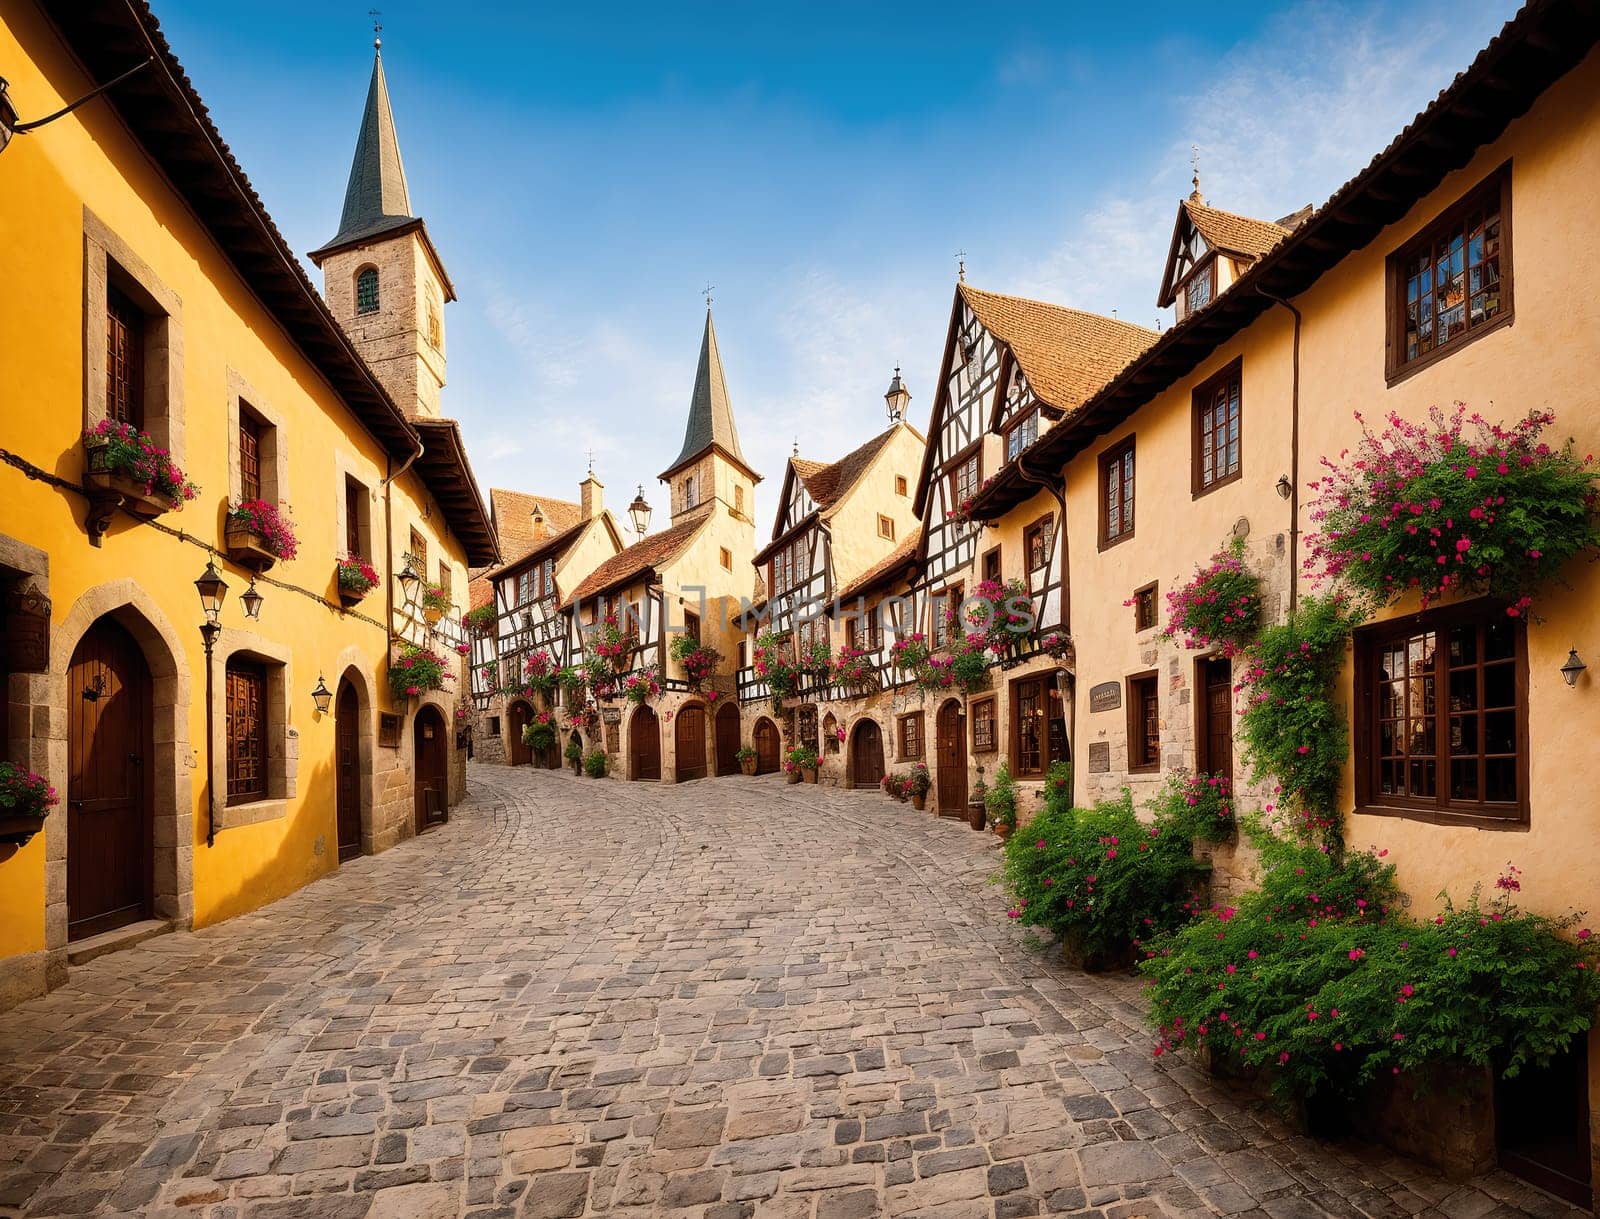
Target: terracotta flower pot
(809, 774)
(919, 801)
(1003, 830)
(748, 765)
(792, 776)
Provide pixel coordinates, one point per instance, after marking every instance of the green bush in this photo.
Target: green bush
(1320, 977)
(594, 764)
(574, 750)
(1100, 879)
(1001, 798)
(1197, 806)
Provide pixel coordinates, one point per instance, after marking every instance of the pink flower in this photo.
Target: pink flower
(1356, 954)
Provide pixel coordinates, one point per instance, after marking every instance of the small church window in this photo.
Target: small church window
(367, 290)
(434, 337)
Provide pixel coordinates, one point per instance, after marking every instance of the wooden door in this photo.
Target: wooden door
(951, 777)
(690, 731)
(644, 743)
(1542, 1124)
(521, 715)
(866, 755)
(110, 784)
(766, 743)
(431, 780)
(1216, 710)
(727, 739)
(347, 759)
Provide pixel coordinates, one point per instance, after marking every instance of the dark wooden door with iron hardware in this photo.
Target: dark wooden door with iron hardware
(347, 754)
(690, 736)
(951, 778)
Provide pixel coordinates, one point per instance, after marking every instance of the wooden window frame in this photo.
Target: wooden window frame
(1132, 685)
(971, 455)
(1031, 414)
(912, 720)
(1046, 682)
(377, 291)
(247, 672)
(1396, 367)
(947, 599)
(1203, 400)
(901, 486)
(725, 557)
(252, 452)
(992, 745)
(1109, 456)
(1139, 624)
(1043, 529)
(124, 317)
(992, 570)
(885, 527)
(1364, 743)
(1205, 266)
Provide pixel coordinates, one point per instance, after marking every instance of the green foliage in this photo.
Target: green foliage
(541, 733)
(1100, 879)
(574, 749)
(1320, 977)
(479, 621)
(1001, 798)
(1290, 728)
(1058, 786)
(594, 764)
(416, 671)
(1220, 604)
(921, 779)
(746, 753)
(801, 757)
(1197, 806)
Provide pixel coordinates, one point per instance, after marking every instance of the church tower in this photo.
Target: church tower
(710, 466)
(381, 275)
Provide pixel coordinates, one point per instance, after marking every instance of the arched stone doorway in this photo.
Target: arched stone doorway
(431, 767)
(950, 746)
(689, 740)
(576, 737)
(110, 785)
(352, 758)
(765, 738)
(866, 754)
(644, 745)
(727, 733)
(519, 715)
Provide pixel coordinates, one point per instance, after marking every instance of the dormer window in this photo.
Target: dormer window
(1022, 434)
(1197, 292)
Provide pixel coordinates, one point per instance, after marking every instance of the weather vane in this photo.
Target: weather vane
(706, 292)
(1194, 162)
(377, 28)
(961, 265)
(591, 460)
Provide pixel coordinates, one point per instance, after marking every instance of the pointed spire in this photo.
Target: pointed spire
(376, 197)
(710, 412)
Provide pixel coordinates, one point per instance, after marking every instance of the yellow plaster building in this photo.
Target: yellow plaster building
(149, 288)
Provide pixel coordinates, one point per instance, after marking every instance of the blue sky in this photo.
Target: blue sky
(586, 170)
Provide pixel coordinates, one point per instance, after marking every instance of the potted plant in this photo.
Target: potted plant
(639, 688)
(889, 784)
(480, 621)
(747, 759)
(356, 579)
(435, 603)
(574, 755)
(902, 788)
(540, 734)
(801, 763)
(921, 782)
(258, 534)
(124, 466)
(1001, 802)
(615, 645)
(594, 764)
(25, 802)
(977, 805)
(416, 671)
(699, 662)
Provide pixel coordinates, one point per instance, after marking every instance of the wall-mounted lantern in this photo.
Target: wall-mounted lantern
(9, 126)
(1574, 667)
(1283, 487)
(322, 696)
(251, 600)
(410, 581)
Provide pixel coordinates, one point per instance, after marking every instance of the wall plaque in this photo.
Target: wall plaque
(388, 730)
(1107, 696)
(1099, 757)
(611, 715)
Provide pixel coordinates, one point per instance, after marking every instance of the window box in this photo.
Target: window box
(247, 548)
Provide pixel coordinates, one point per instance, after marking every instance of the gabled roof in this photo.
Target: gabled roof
(643, 557)
(1066, 354)
(901, 561)
(513, 520)
(1538, 46)
(1243, 237)
(445, 471)
(480, 592)
(376, 197)
(827, 483)
(710, 412)
(168, 119)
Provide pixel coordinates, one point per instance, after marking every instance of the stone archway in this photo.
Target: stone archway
(689, 743)
(768, 745)
(866, 753)
(352, 763)
(644, 744)
(126, 603)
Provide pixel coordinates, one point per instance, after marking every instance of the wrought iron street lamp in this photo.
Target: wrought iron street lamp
(1573, 669)
(410, 581)
(212, 589)
(9, 126)
(251, 600)
(322, 696)
(639, 513)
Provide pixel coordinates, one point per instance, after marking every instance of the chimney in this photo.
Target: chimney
(536, 522)
(590, 495)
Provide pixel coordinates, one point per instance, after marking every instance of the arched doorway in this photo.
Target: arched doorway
(951, 759)
(110, 783)
(347, 765)
(519, 716)
(765, 737)
(727, 740)
(644, 745)
(866, 754)
(689, 733)
(576, 738)
(431, 765)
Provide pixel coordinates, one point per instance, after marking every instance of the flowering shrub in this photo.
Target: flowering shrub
(585, 716)
(23, 793)
(463, 649)
(639, 687)
(490, 673)
(814, 657)
(698, 662)
(540, 732)
(570, 679)
(479, 621)
(964, 666)
(1221, 603)
(999, 614)
(613, 642)
(268, 523)
(909, 652)
(1198, 806)
(1057, 646)
(854, 669)
(417, 671)
(1290, 728)
(539, 672)
(745, 753)
(594, 764)
(1321, 977)
(920, 779)
(600, 676)
(771, 661)
(1001, 798)
(356, 575)
(801, 757)
(127, 451)
(1435, 507)
(1100, 879)
(436, 597)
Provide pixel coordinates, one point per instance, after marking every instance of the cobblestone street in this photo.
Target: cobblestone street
(726, 998)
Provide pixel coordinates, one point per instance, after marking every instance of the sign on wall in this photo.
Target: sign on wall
(1107, 696)
(388, 730)
(1099, 757)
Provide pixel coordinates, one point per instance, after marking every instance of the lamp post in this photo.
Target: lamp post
(212, 589)
(639, 513)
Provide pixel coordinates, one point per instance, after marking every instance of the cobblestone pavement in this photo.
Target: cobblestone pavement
(730, 998)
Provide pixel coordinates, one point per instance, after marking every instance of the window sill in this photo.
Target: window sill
(232, 816)
(1517, 823)
(1216, 484)
(1107, 543)
(1145, 770)
(1394, 375)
